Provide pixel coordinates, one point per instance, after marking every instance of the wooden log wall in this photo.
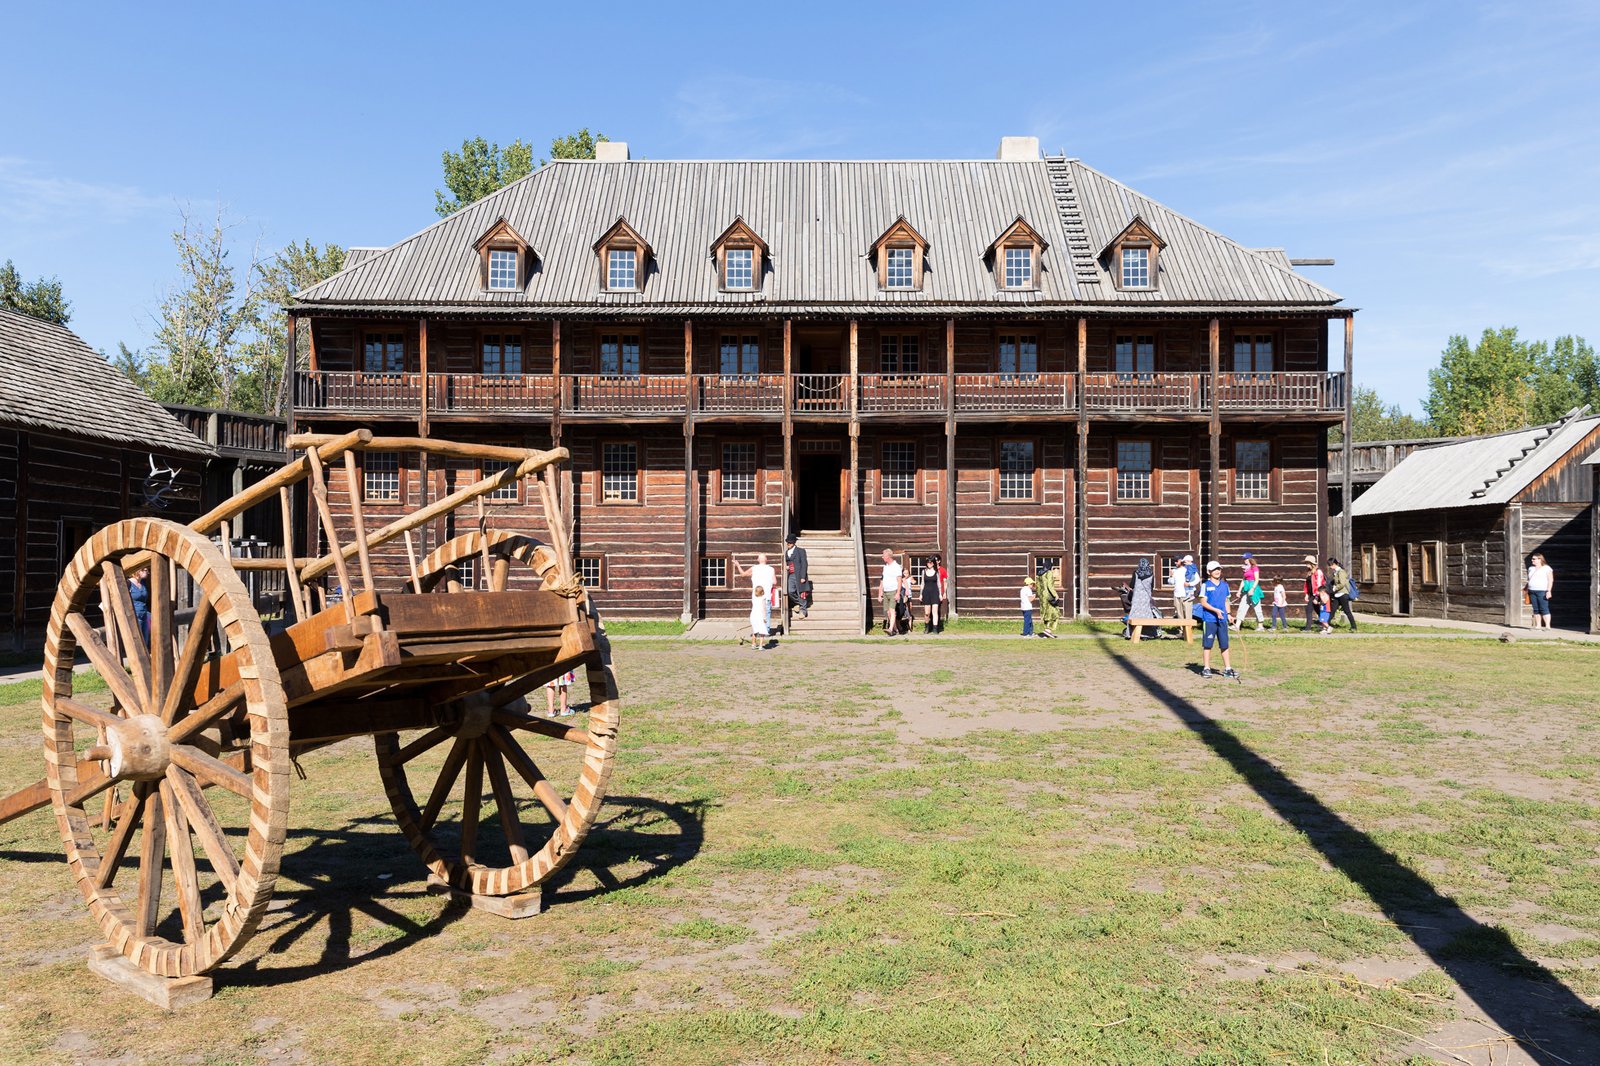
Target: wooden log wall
(995, 539)
(643, 542)
(741, 529)
(1561, 531)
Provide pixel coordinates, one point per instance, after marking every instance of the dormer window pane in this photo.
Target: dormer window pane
(502, 268)
(620, 268)
(1135, 268)
(741, 268)
(898, 271)
(1019, 268)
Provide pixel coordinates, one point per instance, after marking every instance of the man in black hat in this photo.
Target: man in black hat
(794, 558)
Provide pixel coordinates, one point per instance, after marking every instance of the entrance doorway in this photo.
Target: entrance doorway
(819, 491)
(1400, 578)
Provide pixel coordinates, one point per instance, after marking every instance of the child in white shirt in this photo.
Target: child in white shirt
(1280, 607)
(1027, 599)
(760, 617)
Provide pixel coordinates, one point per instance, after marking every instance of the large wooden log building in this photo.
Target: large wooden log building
(80, 447)
(1009, 363)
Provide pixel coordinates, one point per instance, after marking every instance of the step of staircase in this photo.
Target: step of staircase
(831, 565)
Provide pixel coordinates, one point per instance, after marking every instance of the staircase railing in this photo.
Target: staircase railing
(861, 561)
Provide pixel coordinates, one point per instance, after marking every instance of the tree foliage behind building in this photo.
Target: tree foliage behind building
(1504, 382)
(481, 166)
(41, 298)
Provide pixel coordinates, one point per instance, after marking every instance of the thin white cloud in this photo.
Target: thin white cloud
(31, 197)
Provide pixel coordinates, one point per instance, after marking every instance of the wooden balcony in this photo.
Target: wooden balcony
(748, 394)
(491, 394)
(1306, 391)
(358, 392)
(898, 394)
(994, 394)
(1146, 393)
(821, 394)
(638, 394)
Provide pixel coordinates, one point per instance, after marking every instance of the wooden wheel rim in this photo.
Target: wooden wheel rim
(266, 711)
(599, 742)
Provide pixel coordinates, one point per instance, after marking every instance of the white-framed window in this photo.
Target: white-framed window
(1135, 267)
(899, 474)
(502, 268)
(900, 353)
(739, 355)
(1252, 354)
(380, 477)
(507, 493)
(1043, 564)
(622, 268)
(619, 472)
(1135, 354)
(714, 572)
(738, 472)
(1133, 470)
(1019, 268)
(739, 270)
(1252, 470)
(502, 354)
(900, 268)
(619, 355)
(592, 571)
(384, 353)
(1019, 354)
(1016, 470)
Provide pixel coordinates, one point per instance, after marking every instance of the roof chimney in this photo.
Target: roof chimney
(611, 152)
(1018, 150)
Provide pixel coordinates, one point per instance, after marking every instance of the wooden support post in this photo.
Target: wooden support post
(788, 427)
(291, 367)
(1515, 563)
(1346, 516)
(1080, 495)
(354, 489)
(555, 383)
(855, 372)
(1213, 549)
(291, 575)
(319, 494)
(422, 348)
(19, 589)
(690, 521)
(948, 494)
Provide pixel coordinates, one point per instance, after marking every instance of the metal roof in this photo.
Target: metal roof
(50, 380)
(819, 219)
(1475, 471)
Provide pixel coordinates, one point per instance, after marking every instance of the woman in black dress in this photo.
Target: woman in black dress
(931, 596)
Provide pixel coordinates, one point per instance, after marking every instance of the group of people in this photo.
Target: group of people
(766, 594)
(1327, 591)
(898, 584)
(1042, 594)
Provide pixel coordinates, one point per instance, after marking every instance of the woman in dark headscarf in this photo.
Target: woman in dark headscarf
(1143, 582)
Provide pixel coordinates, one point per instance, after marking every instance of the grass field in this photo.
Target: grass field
(1372, 850)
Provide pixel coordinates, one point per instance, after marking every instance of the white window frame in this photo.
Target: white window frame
(1012, 478)
(900, 267)
(1134, 485)
(504, 264)
(714, 572)
(618, 485)
(740, 278)
(1252, 486)
(737, 480)
(897, 472)
(622, 269)
(1018, 266)
(592, 571)
(380, 477)
(1135, 266)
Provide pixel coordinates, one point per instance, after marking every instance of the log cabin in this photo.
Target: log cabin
(1448, 532)
(1592, 464)
(80, 447)
(1011, 363)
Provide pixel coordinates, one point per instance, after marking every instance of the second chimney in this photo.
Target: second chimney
(617, 151)
(1018, 150)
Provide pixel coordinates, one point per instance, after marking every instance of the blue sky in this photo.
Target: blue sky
(1446, 154)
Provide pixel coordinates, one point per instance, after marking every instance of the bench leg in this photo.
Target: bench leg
(1138, 631)
(1188, 634)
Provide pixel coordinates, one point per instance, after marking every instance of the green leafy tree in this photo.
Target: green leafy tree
(1566, 376)
(41, 298)
(1372, 419)
(1483, 388)
(296, 267)
(481, 167)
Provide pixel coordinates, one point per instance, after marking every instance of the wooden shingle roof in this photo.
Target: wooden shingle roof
(51, 381)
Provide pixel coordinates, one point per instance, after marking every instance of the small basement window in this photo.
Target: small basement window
(592, 571)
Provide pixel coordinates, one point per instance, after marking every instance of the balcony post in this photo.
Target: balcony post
(1080, 494)
(855, 372)
(691, 569)
(788, 425)
(1346, 516)
(422, 358)
(289, 389)
(1214, 549)
(555, 384)
(948, 495)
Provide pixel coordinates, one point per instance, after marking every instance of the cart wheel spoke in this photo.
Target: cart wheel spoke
(152, 857)
(529, 771)
(207, 715)
(162, 632)
(212, 771)
(132, 634)
(202, 821)
(544, 726)
(109, 666)
(195, 647)
(117, 846)
(471, 802)
(506, 804)
(185, 878)
(87, 715)
(446, 781)
(426, 742)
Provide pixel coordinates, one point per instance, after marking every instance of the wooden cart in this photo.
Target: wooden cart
(173, 805)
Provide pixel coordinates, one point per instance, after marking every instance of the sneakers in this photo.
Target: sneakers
(1206, 672)
(1231, 672)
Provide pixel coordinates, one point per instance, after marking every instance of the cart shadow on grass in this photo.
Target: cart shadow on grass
(1521, 996)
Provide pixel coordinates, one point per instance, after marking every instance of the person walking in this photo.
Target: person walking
(764, 577)
(1314, 586)
(944, 595)
(1280, 608)
(760, 617)
(561, 686)
(1339, 580)
(931, 596)
(889, 591)
(1211, 608)
(1027, 599)
(1541, 584)
(799, 575)
(1049, 590)
(1250, 594)
(1185, 579)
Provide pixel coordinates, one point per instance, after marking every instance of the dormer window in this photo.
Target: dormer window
(503, 258)
(740, 256)
(1133, 256)
(900, 252)
(624, 258)
(1015, 256)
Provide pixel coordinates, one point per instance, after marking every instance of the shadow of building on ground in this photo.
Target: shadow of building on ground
(1550, 1022)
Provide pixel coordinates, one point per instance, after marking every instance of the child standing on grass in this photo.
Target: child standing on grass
(562, 685)
(1211, 608)
(760, 617)
(1027, 601)
(1280, 607)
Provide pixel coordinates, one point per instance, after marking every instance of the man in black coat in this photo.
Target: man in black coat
(794, 558)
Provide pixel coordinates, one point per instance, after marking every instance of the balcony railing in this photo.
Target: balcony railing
(825, 393)
(508, 393)
(901, 393)
(1285, 391)
(641, 394)
(739, 393)
(999, 393)
(358, 391)
(1174, 393)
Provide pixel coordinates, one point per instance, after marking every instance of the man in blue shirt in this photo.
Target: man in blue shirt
(1211, 608)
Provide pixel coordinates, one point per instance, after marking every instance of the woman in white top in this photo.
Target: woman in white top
(1541, 583)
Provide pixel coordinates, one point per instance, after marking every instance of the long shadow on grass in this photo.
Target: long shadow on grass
(1553, 1025)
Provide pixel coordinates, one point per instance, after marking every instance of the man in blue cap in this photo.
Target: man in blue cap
(1211, 608)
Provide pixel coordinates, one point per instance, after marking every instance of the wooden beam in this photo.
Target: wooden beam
(422, 350)
(855, 371)
(555, 383)
(19, 591)
(948, 493)
(1213, 549)
(690, 524)
(1080, 494)
(1346, 517)
(788, 427)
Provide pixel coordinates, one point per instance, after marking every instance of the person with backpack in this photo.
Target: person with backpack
(1250, 594)
(1344, 590)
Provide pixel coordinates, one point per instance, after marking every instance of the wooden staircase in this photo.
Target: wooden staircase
(836, 596)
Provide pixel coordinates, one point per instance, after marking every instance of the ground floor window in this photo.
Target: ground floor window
(714, 572)
(898, 478)
(1252, 470)
(619, 473)
(1134, 468)
(1016, 470)
(738, 472)
(1043, 564)
(592, 571)
(1432, 563)
(380, 477)
(1369, 563)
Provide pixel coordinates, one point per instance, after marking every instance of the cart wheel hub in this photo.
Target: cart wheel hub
(139, 749)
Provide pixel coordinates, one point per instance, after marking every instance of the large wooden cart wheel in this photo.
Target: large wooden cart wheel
(195, 748)
(541, 820)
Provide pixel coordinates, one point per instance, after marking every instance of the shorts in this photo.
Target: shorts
(1540, 601)
(1215, 630)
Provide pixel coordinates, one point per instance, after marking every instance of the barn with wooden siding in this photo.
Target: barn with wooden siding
(1447, 533)
(1011, 363)
(80, 447)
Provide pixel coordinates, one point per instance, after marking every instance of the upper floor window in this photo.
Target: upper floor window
(1019, 268)
(739, 355)
(739, 253)
(619, 355)
(1015, 256)
(900, 253)
(502, 268)
(900, 353)
(1016, 470)
(1136, 354)
(384, 353)
(502, 354)
(623, 256)
(380, 477)
(1135, 267)
(740, 272)
(1134, 465)
(501, 255)
(899, 274)
(1019, 354)
(622, 268)
(1134, 256)
(1252, 353)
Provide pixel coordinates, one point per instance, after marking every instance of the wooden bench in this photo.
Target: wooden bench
(1185, 624)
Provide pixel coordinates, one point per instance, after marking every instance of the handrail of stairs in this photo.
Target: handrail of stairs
(861, 562)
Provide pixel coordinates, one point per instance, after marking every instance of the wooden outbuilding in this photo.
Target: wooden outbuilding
(80, 447)
(1592, 464)
(1448, 532)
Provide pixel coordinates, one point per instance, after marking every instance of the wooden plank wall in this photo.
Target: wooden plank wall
(993, 539)
(10, 442)
(642, 542)
(741, 529)
(1121, 532)
(1474, 565)
(1560, 531)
